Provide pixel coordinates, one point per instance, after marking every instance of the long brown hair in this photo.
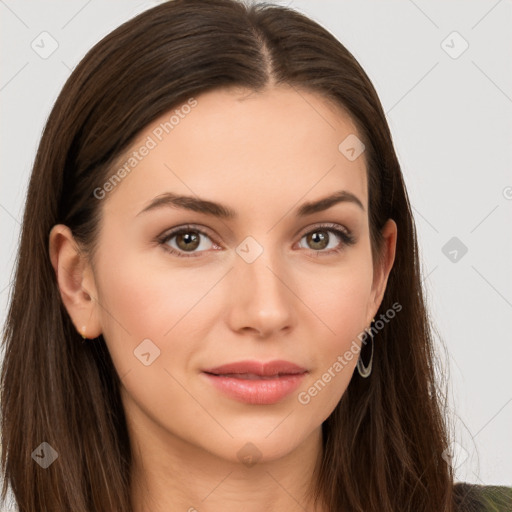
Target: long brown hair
(383, 445)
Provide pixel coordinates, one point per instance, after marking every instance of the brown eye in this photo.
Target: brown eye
(326, 240)
(318, 239)
(187, 241)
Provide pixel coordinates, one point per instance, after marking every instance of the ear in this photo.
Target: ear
(383, 267)
(76, 281)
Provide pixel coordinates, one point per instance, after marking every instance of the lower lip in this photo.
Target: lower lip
(257, 391)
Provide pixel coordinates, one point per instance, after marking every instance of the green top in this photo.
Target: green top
(483, 498)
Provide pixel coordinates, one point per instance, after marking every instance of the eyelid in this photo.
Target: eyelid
(327, 226)
(185, 227)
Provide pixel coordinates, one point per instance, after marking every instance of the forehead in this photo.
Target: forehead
(245, 147)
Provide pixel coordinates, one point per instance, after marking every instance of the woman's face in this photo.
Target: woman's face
(267, 283)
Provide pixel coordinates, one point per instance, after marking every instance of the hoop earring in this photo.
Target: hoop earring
(365, 371)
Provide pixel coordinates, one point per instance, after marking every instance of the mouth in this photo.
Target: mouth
(256, 383)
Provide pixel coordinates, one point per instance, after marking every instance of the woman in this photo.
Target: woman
(218, 301)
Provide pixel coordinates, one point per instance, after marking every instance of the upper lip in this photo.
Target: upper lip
(269, 368)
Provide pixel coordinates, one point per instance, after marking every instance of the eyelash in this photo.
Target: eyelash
(347, 238)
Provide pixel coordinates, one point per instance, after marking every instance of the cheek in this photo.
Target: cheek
(155, 310)
(340, 298)
(145, 298)
(339, 301)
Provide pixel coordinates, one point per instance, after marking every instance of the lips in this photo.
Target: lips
(255, 382)
(256, 369)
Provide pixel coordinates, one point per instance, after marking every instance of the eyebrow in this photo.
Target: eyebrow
(199, 205)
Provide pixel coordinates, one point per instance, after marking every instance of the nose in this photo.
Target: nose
(262, 299)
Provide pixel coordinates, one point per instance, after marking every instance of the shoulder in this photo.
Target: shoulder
(482, 498)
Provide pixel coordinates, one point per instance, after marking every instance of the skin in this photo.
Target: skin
(262, 154)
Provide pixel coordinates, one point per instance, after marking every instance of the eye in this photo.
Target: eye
(319, 239)
(188, 239)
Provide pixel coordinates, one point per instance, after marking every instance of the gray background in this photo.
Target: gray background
(450, 113)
